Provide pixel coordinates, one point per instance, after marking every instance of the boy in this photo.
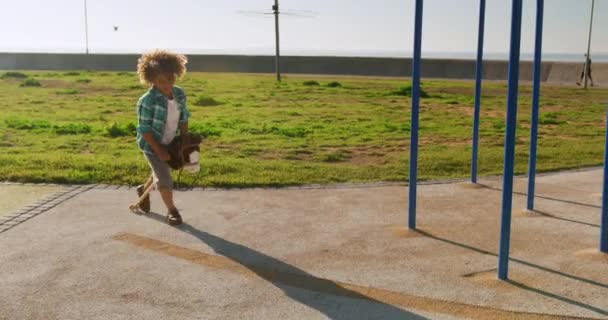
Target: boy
(162, 117)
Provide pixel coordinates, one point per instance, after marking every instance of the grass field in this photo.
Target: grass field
(78, 127)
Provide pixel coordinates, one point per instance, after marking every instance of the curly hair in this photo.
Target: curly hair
(157, 62)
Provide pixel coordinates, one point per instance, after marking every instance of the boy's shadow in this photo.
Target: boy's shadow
(298, 284)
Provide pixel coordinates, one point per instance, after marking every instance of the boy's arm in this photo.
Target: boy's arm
(159, 150)
(144, 118)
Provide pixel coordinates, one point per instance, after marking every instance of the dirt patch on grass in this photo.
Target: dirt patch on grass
(104, 90)
(363, 159)
(469, 91)
(367, 155)
(485, 111)
(55, 83)
(442, 141)
(82, 88)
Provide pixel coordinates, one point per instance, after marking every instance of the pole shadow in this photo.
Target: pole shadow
(549, 215)
(529, 264)
(557, 297)
(297, 284)
(532, 265)
(544, 197)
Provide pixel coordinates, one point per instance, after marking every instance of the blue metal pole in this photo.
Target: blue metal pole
(540, 7)
(604, 223)
(478, 74)
(414, 115)
(507, 190)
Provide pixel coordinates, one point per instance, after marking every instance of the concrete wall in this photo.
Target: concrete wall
(553, 72)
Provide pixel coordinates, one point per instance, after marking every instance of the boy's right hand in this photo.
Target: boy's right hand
(163, 155)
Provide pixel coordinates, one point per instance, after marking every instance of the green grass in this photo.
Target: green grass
(79, 127)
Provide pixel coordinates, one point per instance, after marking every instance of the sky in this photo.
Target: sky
(338, 27)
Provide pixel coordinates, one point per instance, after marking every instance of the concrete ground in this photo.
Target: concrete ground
(307, 253)
(14, 197)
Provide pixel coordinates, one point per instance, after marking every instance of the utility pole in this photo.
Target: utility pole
(277, 63)
(86, 27)
(276, 12)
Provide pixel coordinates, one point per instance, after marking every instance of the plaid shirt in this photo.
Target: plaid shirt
(152, 115)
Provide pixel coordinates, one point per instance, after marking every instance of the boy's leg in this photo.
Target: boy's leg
(167, 195)
(164, 183)
(173, 216)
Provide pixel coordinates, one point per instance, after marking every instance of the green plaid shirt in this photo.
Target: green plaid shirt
(152, 115)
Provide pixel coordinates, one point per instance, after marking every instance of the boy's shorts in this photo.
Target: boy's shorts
(160, 171)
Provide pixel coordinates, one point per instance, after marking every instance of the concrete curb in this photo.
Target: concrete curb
(353, 185)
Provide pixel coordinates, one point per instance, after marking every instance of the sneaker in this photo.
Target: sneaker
(144, 205)
(174, 218)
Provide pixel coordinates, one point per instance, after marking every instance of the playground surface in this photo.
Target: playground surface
(340, 252)
(16, 196)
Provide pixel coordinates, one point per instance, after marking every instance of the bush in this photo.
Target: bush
(84, 80)
(73, 128)
(67, 91)
(550, 118)
(311, 83)
(12, 74)
(204, 130)
(498, 124)
(337, 156)
(21, 124)
(292, 132)
(30, 83)
(406, 91)
(116, 130)
(334, 84)
(206, 101)
(71, 73)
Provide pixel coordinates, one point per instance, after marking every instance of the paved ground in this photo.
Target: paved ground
(312, 253)
(14, 197)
